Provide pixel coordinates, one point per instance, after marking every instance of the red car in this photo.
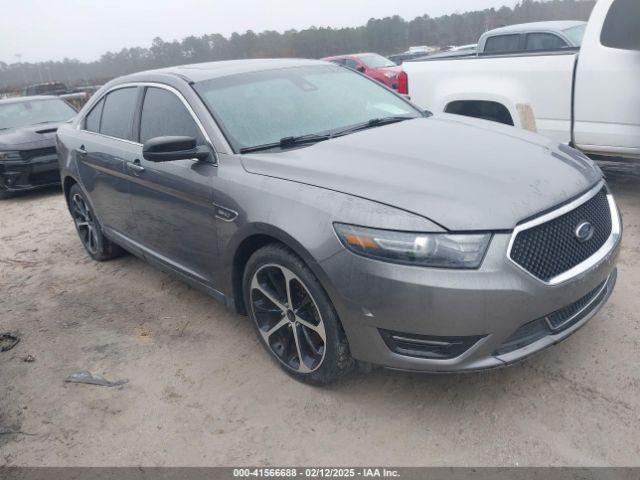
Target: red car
(374, 66)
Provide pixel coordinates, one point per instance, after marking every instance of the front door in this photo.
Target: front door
(172, 201)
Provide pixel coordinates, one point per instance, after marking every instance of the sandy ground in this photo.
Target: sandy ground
(202, 391)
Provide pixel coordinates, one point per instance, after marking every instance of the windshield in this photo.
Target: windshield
(264, 107)
(376, 61)
(31, 112)
(575, 34)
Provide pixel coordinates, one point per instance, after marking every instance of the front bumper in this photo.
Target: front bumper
(490, 303)
(22, 175)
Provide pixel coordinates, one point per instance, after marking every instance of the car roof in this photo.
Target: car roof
(27, 99)
(199, 72)
(556, 25)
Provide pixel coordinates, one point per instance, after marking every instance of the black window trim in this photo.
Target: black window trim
(138, 111)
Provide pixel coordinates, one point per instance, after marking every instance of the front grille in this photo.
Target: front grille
(550, 249)
(567, 316)
(555, 322)
(28, 155)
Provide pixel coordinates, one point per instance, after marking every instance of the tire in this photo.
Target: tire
(307, 340)
(99, 247)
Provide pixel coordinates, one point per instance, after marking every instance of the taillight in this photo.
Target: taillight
(403, 83)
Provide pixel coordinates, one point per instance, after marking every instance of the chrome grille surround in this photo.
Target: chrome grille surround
(593, 260)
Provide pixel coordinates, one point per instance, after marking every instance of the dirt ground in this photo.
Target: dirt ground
(202, 391)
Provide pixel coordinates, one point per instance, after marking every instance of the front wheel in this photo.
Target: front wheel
(294, 317)
(99, 247)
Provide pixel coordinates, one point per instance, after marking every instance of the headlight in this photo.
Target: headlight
(390, 74)
(10, 156)
(440, 250)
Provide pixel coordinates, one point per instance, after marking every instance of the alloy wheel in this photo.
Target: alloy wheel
(288, 318)
(85, 223)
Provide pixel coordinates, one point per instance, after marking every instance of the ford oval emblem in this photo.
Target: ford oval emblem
(584, 232)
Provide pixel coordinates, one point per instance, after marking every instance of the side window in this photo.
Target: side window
(502, 44)
(544, 42)
(117, 113)
(351, 63)
(164, 114)
(620, 29)
(92, 121)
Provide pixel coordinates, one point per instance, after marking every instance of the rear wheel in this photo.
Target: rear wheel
(95, 243)
(294, 317)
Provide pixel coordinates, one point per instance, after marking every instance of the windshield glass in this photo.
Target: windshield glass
(263, 107)
(31, 112)
(376, 61)
(575, 34)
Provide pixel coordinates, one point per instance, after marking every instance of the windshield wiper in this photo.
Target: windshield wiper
(288, 142)
(374, 122)
(319, 137)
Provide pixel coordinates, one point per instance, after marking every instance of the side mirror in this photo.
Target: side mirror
(167, 149)
(361, 69)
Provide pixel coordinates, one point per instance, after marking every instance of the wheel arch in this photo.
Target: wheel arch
(67, 183)
(256, 237)
(498, 112)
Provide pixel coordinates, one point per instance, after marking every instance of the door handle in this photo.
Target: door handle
(81, 151)
(135, 167)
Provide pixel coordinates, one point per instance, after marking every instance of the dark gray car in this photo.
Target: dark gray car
(27, 142)
(345, 222)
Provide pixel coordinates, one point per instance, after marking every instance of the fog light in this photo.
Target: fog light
(422, 346)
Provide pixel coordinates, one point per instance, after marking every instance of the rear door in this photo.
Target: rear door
(106, 144)
(173, 201)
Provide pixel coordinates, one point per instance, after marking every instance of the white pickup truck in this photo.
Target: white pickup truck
(588, 98)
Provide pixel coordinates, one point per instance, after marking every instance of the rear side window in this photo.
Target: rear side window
(544, 42)
(502, 44)
(621, 29)
(92, 121)
(117, 113)
(164, 114)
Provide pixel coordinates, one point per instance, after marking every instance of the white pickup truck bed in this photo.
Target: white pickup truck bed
(436, 84)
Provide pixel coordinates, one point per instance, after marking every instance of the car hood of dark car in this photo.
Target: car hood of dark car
(32, 136)
(461, 173)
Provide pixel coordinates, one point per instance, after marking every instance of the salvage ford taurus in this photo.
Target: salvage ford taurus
(348, 224)
(27, 142)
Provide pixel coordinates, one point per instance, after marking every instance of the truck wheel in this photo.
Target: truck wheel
(99, 247)
(294, 317)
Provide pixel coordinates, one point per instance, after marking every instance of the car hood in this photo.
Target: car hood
(461, 173)
(33, 136)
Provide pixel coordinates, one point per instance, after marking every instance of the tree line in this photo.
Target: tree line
(385, 35)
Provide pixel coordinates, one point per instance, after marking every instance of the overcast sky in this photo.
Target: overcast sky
(84, 29)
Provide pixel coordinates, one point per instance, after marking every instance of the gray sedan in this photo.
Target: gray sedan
(349, 225)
